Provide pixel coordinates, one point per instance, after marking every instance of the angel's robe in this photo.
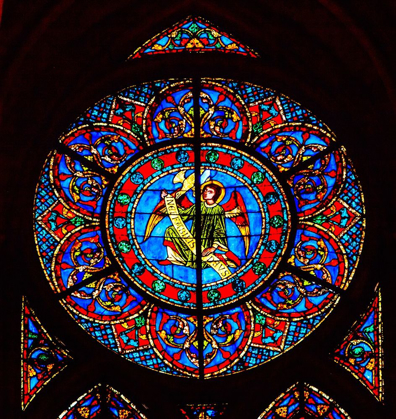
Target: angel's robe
(213, 234)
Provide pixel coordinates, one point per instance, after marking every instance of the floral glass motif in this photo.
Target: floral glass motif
(303, 400)
(361, 352)
(99, 401)
(203, 411)
(280, 223)
(42, 356)
(193, 34)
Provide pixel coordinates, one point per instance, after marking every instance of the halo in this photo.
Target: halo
(214, 182)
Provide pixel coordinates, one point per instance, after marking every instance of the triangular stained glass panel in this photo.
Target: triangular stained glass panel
(203, 411)
(120, 407)
(287, 405)
(303, 401)
(42, 356)
(86, 406)
(102, 401)
(192, 34)
(319, 405)
(361, 351)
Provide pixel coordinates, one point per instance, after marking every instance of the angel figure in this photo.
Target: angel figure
(180, 242)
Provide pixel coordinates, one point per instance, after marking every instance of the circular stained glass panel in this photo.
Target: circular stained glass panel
(198, 231)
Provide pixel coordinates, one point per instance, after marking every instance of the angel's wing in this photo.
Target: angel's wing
(235, 210)
(159, 213)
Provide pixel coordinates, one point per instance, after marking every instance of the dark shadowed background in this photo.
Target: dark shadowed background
(59, 57)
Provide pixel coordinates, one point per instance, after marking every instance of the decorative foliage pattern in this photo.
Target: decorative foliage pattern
(361, 352)
(227, 336)
(303, 399)
(279, 225)
(99, 400)
(107, 299)
(42, 356)
(192, 34)
(171, 114)
(203, 411)
(318, 253)
(223, 114)
(289, 146)
(313, 188)
(107, 146)
(290, 296)
(174, 338)
(110, 132)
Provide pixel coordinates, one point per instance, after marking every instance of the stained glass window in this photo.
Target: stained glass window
(43, 357)
(304, 401)
(87, 405)
(193, 34)
(361, 352)
(203, 411)
(280, 224)
(102, 401)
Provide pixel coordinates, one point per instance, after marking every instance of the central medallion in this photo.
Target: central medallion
(155, 226)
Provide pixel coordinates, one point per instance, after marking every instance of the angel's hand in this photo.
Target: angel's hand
(164, 193)
(208, 251)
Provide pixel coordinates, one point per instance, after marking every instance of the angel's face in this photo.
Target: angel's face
(208, 193)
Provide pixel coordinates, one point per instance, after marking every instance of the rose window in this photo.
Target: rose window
(198, 227)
